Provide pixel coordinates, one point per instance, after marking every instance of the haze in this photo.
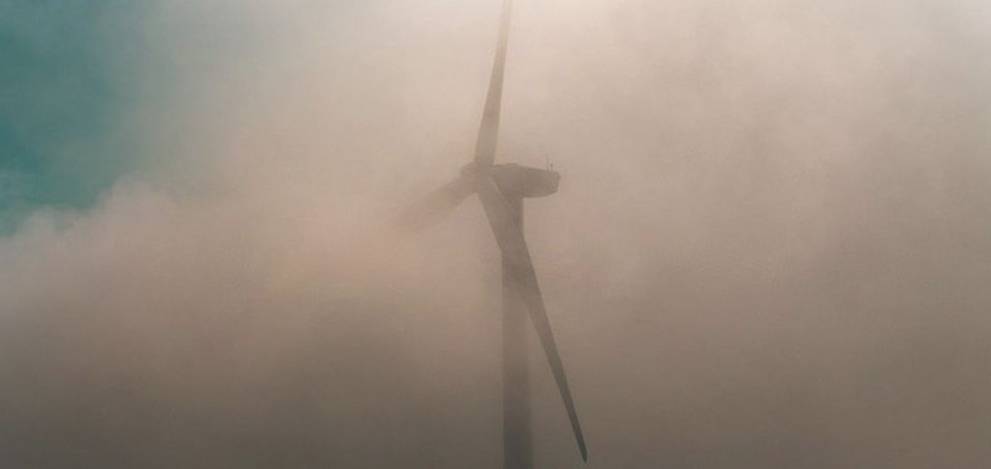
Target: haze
(770, 248)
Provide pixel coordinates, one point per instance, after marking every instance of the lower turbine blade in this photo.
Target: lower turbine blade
(436, 205)
(509, 235)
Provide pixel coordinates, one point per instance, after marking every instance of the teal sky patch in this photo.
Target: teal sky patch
(67, 78)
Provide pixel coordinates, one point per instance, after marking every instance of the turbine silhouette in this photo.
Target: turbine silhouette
(501, 189)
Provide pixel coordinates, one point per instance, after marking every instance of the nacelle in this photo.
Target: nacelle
(522, 181)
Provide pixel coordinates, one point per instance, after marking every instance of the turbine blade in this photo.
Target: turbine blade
(509, 235)
(436, 205)
(488, 132)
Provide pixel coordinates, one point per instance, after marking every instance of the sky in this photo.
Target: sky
(769, 248)
(62, 101)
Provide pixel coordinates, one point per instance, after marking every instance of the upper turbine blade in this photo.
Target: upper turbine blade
(509, 235)
(437, 204)
(488, 132)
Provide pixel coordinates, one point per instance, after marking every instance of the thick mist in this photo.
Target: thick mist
(770, 247)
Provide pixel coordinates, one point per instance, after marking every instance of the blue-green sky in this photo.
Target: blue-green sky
(68, 77)
(82, 81)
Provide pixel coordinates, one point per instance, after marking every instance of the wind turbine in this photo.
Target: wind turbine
(501, 189)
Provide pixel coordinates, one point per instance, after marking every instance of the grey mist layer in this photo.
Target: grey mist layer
(770, 248)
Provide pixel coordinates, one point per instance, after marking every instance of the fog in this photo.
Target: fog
(770, 247)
